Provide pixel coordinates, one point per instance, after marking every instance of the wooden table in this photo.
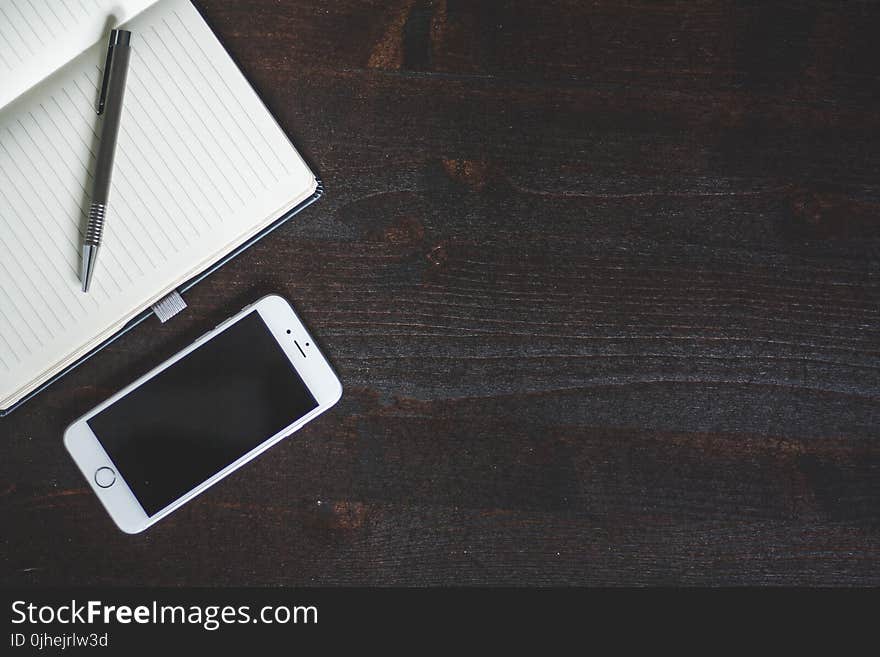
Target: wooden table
(601, 282)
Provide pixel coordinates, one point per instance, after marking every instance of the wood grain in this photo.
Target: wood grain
(600, 280)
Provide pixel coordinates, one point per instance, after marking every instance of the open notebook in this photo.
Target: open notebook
(201, 169)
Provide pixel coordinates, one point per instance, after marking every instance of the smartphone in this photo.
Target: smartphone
(205, 412)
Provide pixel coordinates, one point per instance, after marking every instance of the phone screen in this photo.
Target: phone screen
(205, 411)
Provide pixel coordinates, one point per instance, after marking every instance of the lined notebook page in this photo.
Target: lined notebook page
(39, 36)
(200, 167)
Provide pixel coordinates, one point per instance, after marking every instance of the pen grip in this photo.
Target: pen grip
(95, 228)
(110, 123)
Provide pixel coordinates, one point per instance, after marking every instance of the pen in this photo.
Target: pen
(110, 106)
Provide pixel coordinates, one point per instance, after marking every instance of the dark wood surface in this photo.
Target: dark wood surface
(600, 280)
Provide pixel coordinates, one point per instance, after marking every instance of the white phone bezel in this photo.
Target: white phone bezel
(119, 500)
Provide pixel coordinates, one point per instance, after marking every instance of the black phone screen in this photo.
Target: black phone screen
(205, 411)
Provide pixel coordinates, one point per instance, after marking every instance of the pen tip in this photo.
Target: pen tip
(89, 254)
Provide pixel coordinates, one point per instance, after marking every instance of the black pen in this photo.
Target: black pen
(110, 106)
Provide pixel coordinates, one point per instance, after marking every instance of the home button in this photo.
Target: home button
(105, 477)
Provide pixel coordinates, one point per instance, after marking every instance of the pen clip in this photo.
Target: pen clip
(117, 38)
(105, 83)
